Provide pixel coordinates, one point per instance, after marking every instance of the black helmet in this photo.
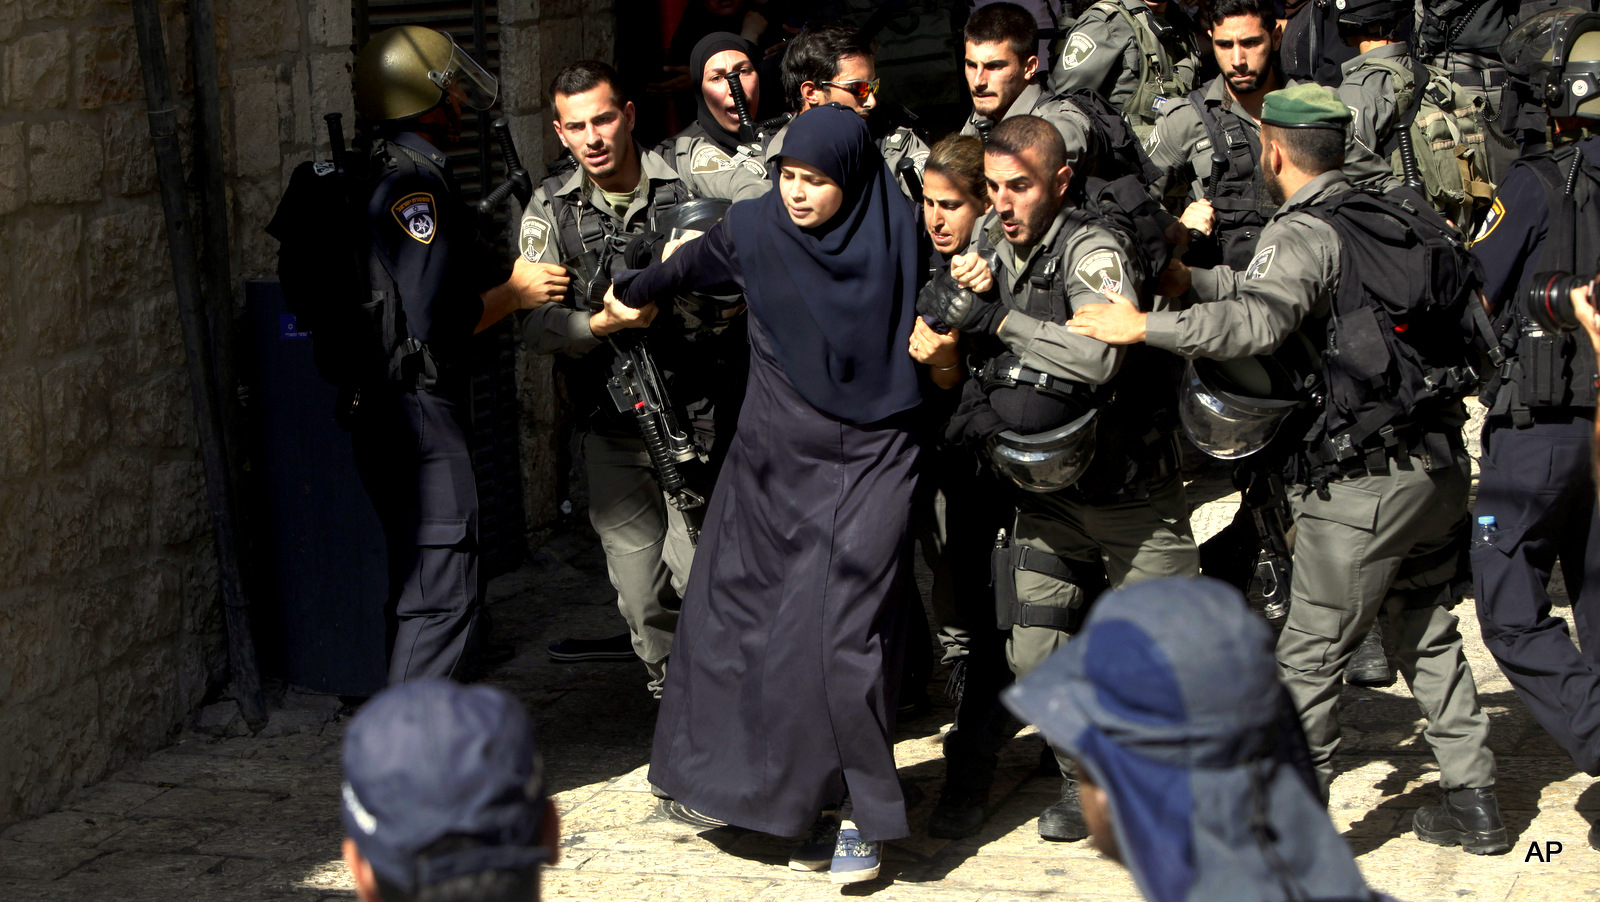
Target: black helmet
(1046, 461)
(1232, 408)
(1558, 52)
(1370, 12)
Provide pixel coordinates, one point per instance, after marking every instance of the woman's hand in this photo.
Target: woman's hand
(972, 272)
(938, 351)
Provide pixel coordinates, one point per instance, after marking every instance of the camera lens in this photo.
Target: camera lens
(1549, 300)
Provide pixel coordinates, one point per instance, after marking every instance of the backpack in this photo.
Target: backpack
(1399, 353)
(1115, 189)
(336, 287)
(1162, 79)
(1447, 137)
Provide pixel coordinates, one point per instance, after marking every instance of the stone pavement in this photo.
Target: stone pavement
(220, 817)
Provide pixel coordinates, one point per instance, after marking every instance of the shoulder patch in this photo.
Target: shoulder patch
(1152, 141)
(1497, 212)
(535, 239)
(415, 213)
(1078, 48)
(709, 158)
(1101, 271)
(1262, 263)
(753, 166)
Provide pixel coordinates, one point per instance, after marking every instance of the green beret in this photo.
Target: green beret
(1305, 106)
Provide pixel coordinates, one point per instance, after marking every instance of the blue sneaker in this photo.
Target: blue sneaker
(815, 852)
(855, 859)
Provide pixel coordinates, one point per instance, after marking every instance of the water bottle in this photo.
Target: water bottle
(1483, 534)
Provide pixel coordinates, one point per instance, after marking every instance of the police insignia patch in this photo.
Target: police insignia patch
(1497, 212)
(1101, 271)
(1078, 48)
(710, 159)
(1262, 263)
(415, 214)
(535, 239)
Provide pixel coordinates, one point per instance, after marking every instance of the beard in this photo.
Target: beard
(1274, 187)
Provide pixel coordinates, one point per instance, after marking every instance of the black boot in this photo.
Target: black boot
(1594, 836)
(1063, 821)
(1468, 817)
(963, 802)
(1369, 666)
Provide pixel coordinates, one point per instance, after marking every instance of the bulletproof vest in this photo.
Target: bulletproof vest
(1397, 358)
(596, 232)
(1552, 369)
(1446, 27)
(1238, 193)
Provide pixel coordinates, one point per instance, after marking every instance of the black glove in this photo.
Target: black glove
(944, 302)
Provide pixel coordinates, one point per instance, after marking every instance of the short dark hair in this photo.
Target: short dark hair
(1019, 133)
(493, 885)
(1265, 10)
(959, 158)
(814, 56)
(1006, 22)
(586, 75)
(1311, 150)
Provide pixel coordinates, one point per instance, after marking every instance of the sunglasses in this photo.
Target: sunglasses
(860, 90)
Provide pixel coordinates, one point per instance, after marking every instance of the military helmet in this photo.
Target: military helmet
(1370, 12)
(409, 70)
(1558, 52)
(1233, 408)
(1046, 461)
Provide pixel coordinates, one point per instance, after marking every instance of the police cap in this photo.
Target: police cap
(1305, 106)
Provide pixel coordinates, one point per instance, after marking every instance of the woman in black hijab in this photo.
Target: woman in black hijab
(776, 704)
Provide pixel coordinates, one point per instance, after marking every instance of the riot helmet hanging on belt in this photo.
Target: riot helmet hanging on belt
(1046, 461)
(1233, 408)
(407, 71)
(1558, 52)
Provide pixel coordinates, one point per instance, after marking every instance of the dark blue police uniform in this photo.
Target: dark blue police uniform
(410, 435)
(1535, 476)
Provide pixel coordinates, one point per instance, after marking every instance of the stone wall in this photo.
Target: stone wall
(110, 622)
(110, 628)
(538, 38)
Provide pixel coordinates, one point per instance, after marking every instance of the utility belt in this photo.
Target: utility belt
(419, 371)
(1481, 79)
(1006, 371)
(1543, 375)
(1337, 457)
(1089, 578)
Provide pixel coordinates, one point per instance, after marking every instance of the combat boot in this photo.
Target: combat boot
(1594, 836)
(1468, 817)
(1063, 821)
(964, 800)
(1369, 666)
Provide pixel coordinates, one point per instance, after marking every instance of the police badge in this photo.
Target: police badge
(415, 214)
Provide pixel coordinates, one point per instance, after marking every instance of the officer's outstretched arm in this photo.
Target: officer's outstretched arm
(531, 285)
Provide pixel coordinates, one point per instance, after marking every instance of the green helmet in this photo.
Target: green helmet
(1558, 52)
(407, 71)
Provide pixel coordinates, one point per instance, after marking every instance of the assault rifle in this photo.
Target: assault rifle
(517, 182)
(1272, 529)
(749, 139)
(636, 387)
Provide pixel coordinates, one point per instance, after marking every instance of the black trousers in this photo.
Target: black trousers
(411, 450)
(1537, 484)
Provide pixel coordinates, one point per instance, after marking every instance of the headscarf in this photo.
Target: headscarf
(1170, 698)
(836, 301)
(709, 46)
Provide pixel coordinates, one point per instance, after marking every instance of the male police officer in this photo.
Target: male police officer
(619, 192)
(1000, 61)
(708, 155)
(1041, 403)
(1535, 486)
(1376, 530)
(832, 64)
(432, 279)
(1141, 55)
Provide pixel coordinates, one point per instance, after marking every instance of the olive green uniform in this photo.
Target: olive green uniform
(710, 171)
(646, 540)
(1114, 50)
(1071, 122)
(1366, 546)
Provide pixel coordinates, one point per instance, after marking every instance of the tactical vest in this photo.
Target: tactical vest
(1238, 193)
(1397, 357)
(1162, 79)
(1447, 138)
(1135, 440)
(1544, 369)
(1446, 27)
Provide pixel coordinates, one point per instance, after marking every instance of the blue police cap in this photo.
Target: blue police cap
(430, 759)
